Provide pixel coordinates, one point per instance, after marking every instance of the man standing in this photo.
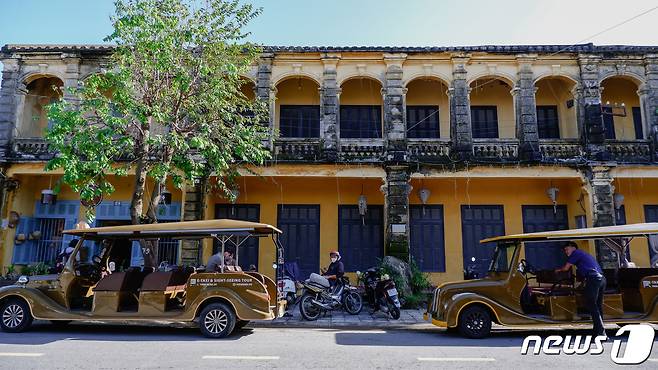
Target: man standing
(590, 271)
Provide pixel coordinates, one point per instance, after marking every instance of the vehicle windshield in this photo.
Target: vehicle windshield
(502, 257)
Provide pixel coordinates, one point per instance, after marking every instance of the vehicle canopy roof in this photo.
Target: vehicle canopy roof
(592, 233)
(185, 229)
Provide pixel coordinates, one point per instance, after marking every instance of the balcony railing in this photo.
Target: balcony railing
(430, 150)
(629, 151)
(297, 149)
(423, 150)
(30, 148)
(362, 150)
(560, 149)
(496, 149)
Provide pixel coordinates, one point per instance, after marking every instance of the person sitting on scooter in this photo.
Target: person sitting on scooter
(336, 269)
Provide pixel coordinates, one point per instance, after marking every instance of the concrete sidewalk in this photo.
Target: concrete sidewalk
(340, 318)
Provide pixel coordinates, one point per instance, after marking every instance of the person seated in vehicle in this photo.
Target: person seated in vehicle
(215, 261)
(64, 256)
(335, 271)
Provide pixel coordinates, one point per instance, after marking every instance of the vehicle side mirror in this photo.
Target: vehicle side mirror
(112, 266)
(520, 268)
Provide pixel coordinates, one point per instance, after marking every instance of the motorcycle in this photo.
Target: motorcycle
(381, 292)
(319, 297)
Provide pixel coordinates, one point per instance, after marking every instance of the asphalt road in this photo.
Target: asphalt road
(85, 346)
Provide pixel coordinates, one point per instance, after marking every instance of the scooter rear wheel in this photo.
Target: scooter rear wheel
(308, 309)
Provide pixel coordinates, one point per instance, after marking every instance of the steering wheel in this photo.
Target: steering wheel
(527, 268)
(91, 270)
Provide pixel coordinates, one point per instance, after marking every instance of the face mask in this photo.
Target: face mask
(334, 259)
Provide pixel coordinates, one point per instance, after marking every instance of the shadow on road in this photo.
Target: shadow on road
(47, 333)
(440, 338)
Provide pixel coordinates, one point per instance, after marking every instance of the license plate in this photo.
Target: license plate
(392, 292)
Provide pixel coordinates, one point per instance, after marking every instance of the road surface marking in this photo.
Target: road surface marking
(20, 354)
(261, 358)
(457, 359)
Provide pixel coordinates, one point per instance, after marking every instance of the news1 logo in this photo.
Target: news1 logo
(638, 346)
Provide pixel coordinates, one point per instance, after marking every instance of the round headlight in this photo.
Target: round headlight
(23, 279)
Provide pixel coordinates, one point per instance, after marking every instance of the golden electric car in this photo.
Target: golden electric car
(514, 294)
(106, 288)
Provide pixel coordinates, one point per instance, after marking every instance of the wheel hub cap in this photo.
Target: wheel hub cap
(13, 316)
(215, 321)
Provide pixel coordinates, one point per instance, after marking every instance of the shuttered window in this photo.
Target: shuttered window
(548, 125)
(484, 121)
(545, 255)
(360, 238)
(637, 123)
(609, 123)
(426, 236)
(360, 121)
(423, 122)
(299, 121)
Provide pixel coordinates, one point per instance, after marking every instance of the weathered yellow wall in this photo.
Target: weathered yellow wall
(512, 194)
(556, 91)
(34, 118)
(425, 91)
(24, 199)
(327, 192)
(487, 92)
(295, 91)
(361, 91)
(638, 193)
(620, 90)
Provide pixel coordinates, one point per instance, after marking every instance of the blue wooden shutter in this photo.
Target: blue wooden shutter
(169, 212)
(136, 257)
(426, 237)
(609, 123)
(637, 123)
(360, 240)
(23, 251)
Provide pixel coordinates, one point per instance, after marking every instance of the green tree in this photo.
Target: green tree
(167, 105)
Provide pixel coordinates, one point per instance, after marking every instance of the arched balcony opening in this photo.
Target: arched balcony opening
(492, 109)
(427, 109)
(298, 108)
(622, 115)
(248, 89)
(40, 92)
(361, 109)
(556, 109)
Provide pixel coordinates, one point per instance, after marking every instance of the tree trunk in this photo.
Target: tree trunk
(137, 202)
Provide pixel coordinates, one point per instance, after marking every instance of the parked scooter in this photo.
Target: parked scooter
(319, 297)
(288, 285)
(381, 292)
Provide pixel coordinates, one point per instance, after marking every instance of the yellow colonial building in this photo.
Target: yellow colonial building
(404, 151)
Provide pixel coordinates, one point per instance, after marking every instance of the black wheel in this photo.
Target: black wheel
(16, 316)
(308, 310)
(395, 312)
(241, 324)
(353, 303)
(60, 323)
(474, 322)
(217, 320)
